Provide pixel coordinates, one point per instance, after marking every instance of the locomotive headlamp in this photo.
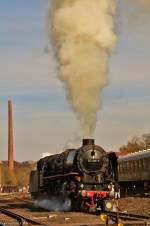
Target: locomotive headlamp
(83, 193)
(81, 186)
(108, 205)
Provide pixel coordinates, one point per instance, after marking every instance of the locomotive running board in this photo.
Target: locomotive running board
(60, 176)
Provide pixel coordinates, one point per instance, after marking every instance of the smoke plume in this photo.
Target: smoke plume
(84, 37)
(54, 204)
(73, 142)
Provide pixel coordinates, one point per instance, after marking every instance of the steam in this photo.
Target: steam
(73, 142)
(54, 204)
(84, 37)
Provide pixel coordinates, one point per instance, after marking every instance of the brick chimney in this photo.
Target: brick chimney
(10, 137)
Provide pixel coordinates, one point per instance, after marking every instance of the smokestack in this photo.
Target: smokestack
(87, 142)
(10, 137)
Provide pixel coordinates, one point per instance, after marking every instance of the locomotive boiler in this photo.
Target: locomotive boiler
(86, 175)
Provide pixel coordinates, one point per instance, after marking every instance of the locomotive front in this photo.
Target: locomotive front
(92, 159)
(94, 165)
(83, 174)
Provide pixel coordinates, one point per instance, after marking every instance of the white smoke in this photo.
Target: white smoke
(54, 204)
(73, 142)
(84, 37)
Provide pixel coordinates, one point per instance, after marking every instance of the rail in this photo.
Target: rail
(19, 217)
(115, 216)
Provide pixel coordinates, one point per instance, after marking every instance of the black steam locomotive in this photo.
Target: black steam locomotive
(87, 176)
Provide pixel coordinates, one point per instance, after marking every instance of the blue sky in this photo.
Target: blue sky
(20, 28)
(43, 120)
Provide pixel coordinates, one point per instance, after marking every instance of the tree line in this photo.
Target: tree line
(18, 177)
(136, 144)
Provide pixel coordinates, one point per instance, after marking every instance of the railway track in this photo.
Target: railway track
(126, 218)
(27, 214)
(7, 196)
(19, 218)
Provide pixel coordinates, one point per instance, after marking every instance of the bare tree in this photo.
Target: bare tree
(134, 145)
(146, 138)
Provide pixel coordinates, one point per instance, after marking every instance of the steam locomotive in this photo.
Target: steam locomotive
(86, 175)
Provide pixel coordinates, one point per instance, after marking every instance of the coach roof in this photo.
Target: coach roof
(135, 156)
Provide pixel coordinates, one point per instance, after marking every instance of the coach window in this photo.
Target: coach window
(147, 163)
(144, 163)
(140, 163)
(136, 164)
(128, 165)
(132, 165)
(123, 169)
(124, 166)
(120, 167)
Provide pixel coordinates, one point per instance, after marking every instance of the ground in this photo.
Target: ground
(22, 204)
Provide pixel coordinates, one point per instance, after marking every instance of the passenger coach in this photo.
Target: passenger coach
(134, 172)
